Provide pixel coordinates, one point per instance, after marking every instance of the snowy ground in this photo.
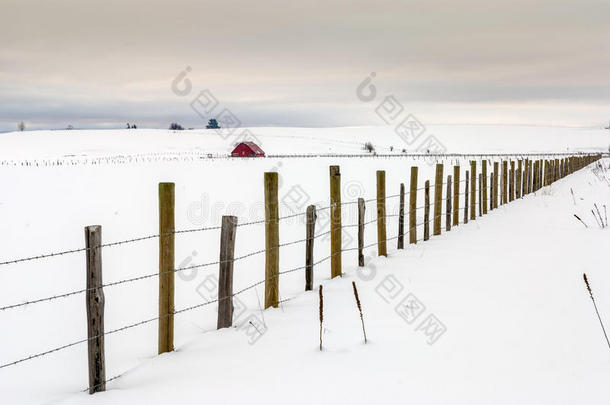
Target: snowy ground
(508, 287)
(154, 144)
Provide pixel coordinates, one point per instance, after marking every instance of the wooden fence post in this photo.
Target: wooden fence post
(361, 209)
(525, 177)
(495, 180)
(427, 210)
(484, 185)
(511, 182)
(504, 181)
(557, 169)
(272, 241)
(530, 174)
(535, 177)
(401, 218)
(491, 191)
(335, 222)
(466, 198)
(225, 272)
(473, 189)
(448, 205)
(381, 213)
(310, 233)
(519, 186)
(166, 267)
(95, 310)
(438, 198)
(413, 206)
(545, 175)
(456, 195)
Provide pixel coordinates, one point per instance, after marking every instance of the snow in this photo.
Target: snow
(156, 142)
(520, 326)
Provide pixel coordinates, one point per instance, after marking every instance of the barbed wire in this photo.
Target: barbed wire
(208, 264)
(145, 321)
(201, 229)
(133, 325)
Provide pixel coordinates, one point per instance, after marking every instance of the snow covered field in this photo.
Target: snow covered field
(153, 143)
(508, 287)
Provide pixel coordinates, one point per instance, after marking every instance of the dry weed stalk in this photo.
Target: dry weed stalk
(359, 309)
(583, 222)
(321, 315)
(595, 305)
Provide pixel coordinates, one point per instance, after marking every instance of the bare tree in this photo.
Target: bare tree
(21, 126)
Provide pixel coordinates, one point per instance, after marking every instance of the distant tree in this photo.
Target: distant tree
(212, 124)
(69, 127)
(368, 146)
(391, 148)
(134, 126)
(175, 126)
(21, 126)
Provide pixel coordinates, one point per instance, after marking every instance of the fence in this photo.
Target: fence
(482, 193)
(193, 156)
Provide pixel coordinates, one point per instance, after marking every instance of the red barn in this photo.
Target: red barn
(247, 149)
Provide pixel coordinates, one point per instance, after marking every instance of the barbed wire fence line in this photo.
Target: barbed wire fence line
(531, 176)
(192, 156)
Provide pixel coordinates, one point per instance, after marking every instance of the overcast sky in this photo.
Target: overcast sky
(104, 63)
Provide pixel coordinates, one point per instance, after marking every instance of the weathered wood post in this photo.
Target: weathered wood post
(557, 169)
(401, 218)
(504, 181)
(525, 177)
(491, 191)
(438, 198)
(545, 174)
(381, 212)
(519, 185)
(310, 233)
(225, 272)
(484, 185)
(95, 310)
(361, 209)
(495, 182)
(448, 205)
(427, 210)
(272, 241)
(413, 206)
(530, 174)
(473, 189)
(466, 198)
(511, 182)
(166, 267)
(535, 177)
(335, 222)
(530, 177)
(456, 195)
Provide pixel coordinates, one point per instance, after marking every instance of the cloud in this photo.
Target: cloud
(71, 60)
